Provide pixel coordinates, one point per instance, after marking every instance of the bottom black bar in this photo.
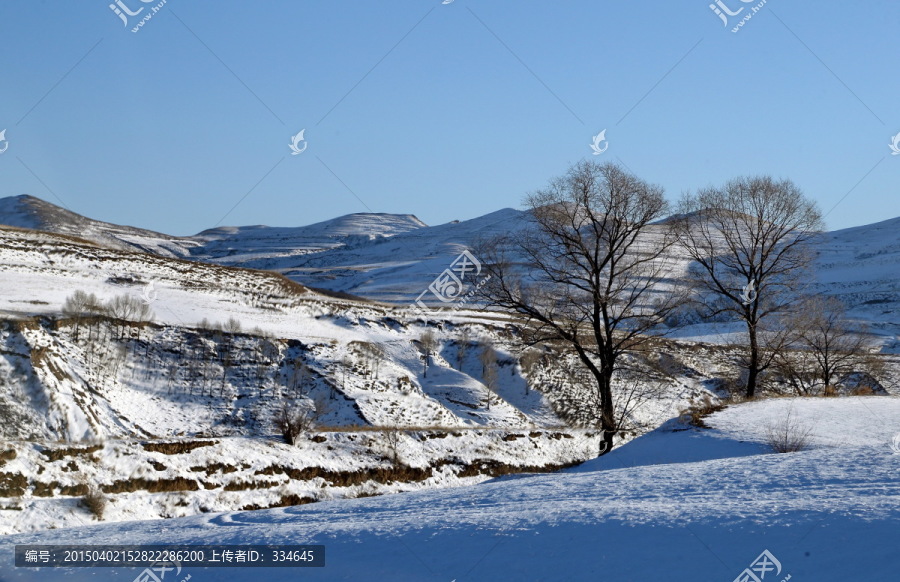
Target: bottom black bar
(162, 556)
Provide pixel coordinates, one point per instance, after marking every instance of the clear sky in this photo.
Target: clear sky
(445, 111)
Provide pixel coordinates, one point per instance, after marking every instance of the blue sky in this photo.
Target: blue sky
(443, 111)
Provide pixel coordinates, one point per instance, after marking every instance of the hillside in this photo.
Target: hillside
(263, 247)
(394, 258)
(172, 411)
(861, 266)
(29, 212)
(174, 416)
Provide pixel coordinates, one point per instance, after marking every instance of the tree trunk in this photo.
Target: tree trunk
(753, 368)
(607, 414)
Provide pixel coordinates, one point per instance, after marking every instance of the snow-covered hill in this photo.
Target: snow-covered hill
(861, 266)
(276, 249)
(29, 212)
(394, 258)
(174, 413)
(112, 388)
(678, 504)
(181, 376)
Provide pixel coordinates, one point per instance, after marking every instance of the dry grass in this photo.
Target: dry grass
(215, 468)
(12, 484)
(176, 448)
(7, 456)
(59, 454)
(285, 501)
(698, 411)
(152, 485)
(95, 501)
(788, 435)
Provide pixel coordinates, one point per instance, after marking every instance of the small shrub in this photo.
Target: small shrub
(788, 435)
(95, 501)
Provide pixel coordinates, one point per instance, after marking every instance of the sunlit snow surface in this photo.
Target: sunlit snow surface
(672, 505)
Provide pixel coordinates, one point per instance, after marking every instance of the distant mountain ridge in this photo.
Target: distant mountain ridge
(255, 246)
(29, 212)
(394, 257)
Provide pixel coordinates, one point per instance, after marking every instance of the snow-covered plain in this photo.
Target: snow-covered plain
(679, 503)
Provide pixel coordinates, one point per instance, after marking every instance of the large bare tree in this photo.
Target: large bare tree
(749, 241)
(585, 274)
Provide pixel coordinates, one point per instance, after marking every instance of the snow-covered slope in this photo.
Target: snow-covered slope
(677, 504)
(110, 387)
(861, 266)
(395, 257)
(263, 247)
(179, 375)
(38, 271)
(29, 212)
(401, 267)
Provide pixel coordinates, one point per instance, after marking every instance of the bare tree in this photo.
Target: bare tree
(528, 362)
(232, 326)
(487, 356)
(299, 378)
(377, 354)
(749, 241)
(577, 400)
(427, 345)
(372, 354)
(124, 309)
(346, 365)
(826, 350)
(293, 419)
(392, 439)
(265, 352)
(223, 345)
(117, 356)
(488, 359)
(462, 347)
(271, 352)
(594, 262)
(78, 306)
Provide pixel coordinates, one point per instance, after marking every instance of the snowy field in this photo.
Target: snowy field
(679, 503)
